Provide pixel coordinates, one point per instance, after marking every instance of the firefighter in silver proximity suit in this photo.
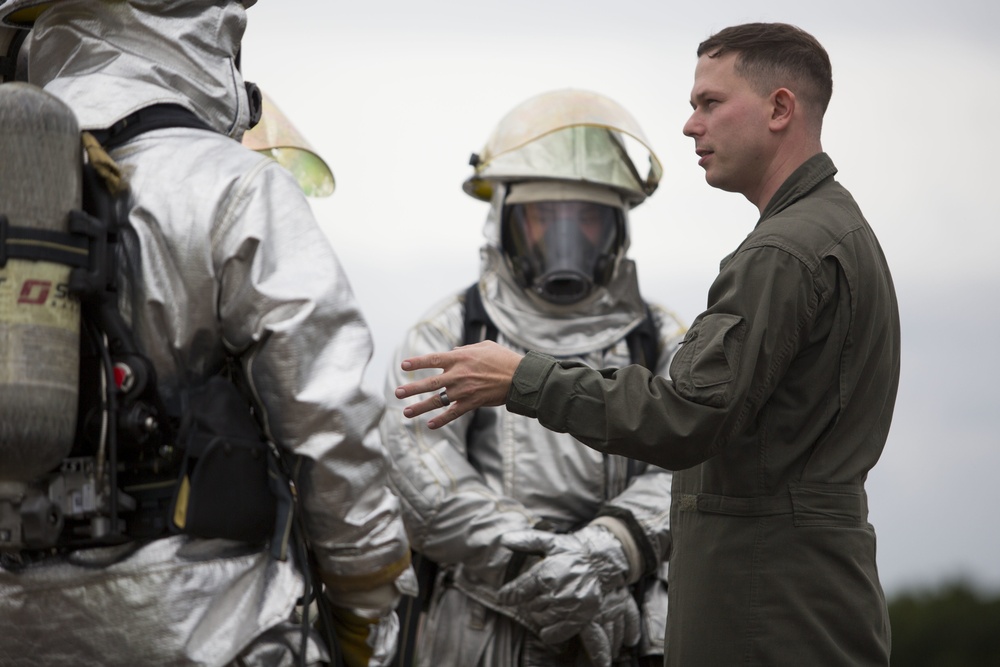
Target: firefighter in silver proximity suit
(488, 494)
(227, 263)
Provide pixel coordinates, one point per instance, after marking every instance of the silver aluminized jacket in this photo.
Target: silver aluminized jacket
(228, 261)
(463, 486)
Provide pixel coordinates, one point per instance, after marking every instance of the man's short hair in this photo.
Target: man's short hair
(774, 55)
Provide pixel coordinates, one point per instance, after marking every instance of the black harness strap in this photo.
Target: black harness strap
(154, 117)
(477, 325)
(8, 60)
(643, 342)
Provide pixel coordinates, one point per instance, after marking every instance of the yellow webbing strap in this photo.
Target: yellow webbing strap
(107, 169)
(180, 510)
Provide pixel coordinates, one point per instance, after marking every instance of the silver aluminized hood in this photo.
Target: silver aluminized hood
(181, 52)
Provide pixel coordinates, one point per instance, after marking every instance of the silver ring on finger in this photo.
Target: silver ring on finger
(444, 398)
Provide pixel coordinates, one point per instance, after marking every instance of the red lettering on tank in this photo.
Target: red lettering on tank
(34, 292)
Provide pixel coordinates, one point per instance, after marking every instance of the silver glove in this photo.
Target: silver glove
(382, 639)
(617, 626)
(563, 592)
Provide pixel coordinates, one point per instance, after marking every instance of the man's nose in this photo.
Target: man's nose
(692, 127)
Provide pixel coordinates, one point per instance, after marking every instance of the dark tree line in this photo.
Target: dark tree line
(951, 626)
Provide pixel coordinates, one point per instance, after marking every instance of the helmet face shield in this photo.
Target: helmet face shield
(276, 137)
(562, 249)
(569, 135)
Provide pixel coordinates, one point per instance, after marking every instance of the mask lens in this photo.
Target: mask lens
(561, 249)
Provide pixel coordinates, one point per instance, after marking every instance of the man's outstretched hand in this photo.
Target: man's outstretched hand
(472, 376)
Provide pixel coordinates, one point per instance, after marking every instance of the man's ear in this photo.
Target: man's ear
(783, 106)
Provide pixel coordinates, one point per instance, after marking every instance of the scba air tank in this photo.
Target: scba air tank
(40, 182)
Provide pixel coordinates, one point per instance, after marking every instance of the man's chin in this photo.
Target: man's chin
(717, 181)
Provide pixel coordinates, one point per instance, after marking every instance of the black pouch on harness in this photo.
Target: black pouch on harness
(225, 488)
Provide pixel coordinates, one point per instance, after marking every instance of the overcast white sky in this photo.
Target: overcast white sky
(396, 95)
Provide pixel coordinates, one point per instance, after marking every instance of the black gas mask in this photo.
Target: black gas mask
(561, 249)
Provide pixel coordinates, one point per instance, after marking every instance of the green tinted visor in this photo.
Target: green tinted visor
(276, 137)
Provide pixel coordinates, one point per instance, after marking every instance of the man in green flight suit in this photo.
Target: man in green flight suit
(779, 400)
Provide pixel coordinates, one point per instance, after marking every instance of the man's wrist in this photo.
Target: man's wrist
(526, 385)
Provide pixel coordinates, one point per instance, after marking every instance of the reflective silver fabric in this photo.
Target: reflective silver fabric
(462, 489)
(228, 261)
(123, 56)
(172, 602)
